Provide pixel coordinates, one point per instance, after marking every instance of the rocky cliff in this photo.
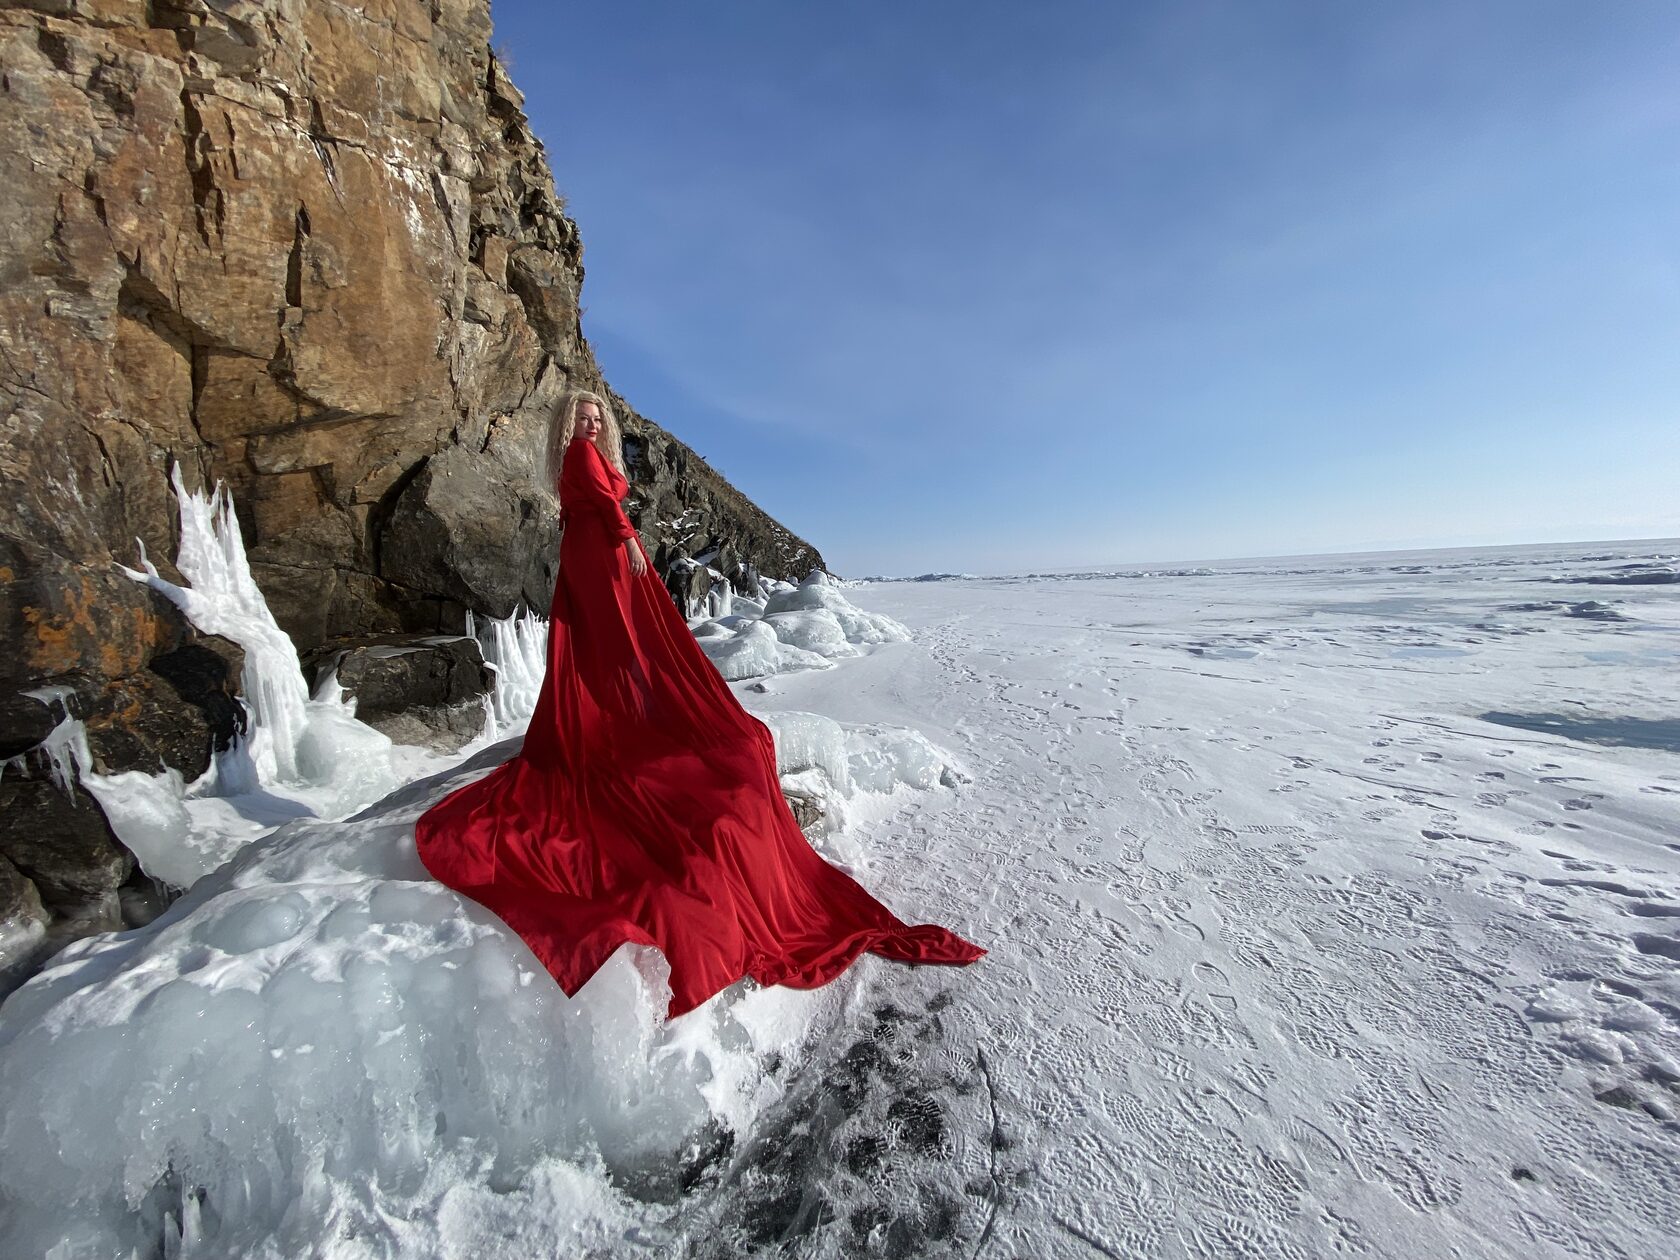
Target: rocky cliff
(311, 249)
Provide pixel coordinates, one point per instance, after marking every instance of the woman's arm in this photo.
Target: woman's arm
(586, 487)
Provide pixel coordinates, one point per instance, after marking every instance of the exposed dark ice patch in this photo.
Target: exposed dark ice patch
(1589, 609)
(1603, 885)
(1661, 733)
(1656, 909)
(1658, 946)
(666, 1181)
(853, 1160)
(1631, 575)
(1398, 605)
(1595, 610)
(1214, 652)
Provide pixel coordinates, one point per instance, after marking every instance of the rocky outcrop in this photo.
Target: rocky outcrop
(311, 249)
(427, 691)
(23, 924)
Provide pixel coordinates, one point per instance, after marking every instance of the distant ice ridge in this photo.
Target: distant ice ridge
(928, 577)
(1652, 572)
(302, 755)
(809, 626)
(1649, 569)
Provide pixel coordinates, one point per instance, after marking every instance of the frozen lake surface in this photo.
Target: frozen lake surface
(1333, 909)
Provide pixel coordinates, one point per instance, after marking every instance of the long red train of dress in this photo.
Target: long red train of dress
(645, 806)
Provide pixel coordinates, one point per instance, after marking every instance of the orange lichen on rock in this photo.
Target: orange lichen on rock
(90, 623)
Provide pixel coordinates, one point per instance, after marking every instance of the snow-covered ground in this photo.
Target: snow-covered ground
(1333, 908)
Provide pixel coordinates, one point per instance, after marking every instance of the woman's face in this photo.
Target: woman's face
(588, 421)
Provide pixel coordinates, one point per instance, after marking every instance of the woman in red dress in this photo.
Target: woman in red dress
(644, 804)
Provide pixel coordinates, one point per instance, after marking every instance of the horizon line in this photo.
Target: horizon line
(1292, 555)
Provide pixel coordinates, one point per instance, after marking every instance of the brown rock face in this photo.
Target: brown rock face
(311, 249)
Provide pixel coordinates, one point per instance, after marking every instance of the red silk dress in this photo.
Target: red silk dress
(644, 804)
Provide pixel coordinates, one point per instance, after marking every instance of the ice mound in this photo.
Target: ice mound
(1622, 1039)
(319, 1038)
(850, 769)
(318, 1042)
(860, 756)
(817, 630)
(801, 627)
(1596, 610)
(753, 651)
(816, 595)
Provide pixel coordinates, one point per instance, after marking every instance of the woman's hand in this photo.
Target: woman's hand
(638, 557)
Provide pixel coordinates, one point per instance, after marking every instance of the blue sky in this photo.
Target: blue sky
(989, 286)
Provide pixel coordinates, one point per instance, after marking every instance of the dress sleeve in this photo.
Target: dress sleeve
(586, 486)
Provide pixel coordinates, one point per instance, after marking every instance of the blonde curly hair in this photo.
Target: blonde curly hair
(564, 423)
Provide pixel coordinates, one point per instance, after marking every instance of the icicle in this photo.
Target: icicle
(516, 649)
(224, 600)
